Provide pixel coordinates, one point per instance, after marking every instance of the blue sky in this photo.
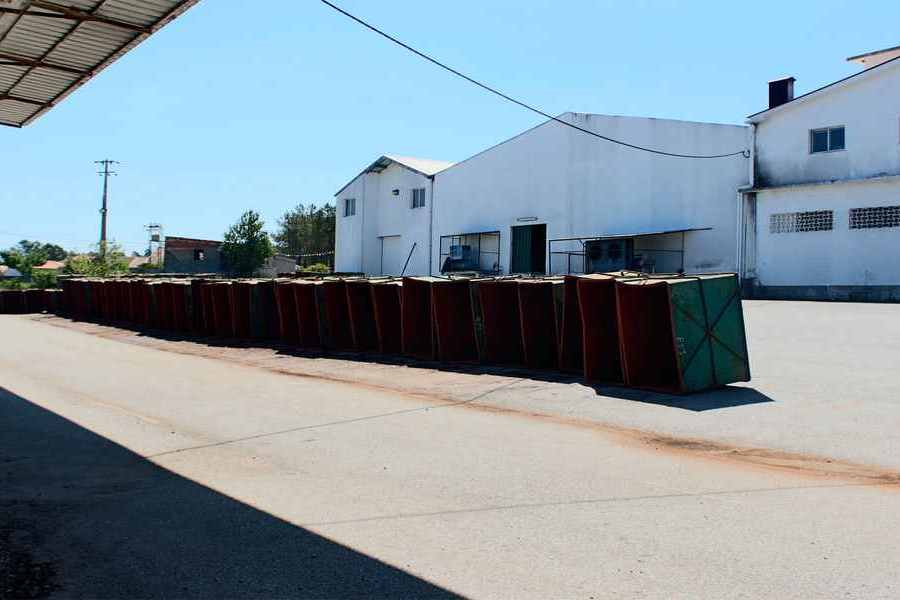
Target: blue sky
(231, 107)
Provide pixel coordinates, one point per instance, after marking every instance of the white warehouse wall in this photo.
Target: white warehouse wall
(868, 106)
(580, 185)
(381, 215)
(842, 257)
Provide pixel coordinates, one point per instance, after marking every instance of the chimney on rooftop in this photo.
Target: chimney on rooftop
(781, 91)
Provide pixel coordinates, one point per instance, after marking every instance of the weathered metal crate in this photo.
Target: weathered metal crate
(682, 334)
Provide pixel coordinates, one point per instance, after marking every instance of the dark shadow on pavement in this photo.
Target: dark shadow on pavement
(728, 396)
(112, 524)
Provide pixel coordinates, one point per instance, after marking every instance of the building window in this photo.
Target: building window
(199, 254)
(418, 198)
(828, 139)
(349, 207)
(875, 217)
(798, 222)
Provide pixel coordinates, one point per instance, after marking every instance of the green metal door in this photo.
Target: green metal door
(528, 249)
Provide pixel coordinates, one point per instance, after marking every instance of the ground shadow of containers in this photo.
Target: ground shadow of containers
(117, 525)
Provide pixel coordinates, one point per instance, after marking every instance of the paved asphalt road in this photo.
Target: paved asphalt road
(132, 467)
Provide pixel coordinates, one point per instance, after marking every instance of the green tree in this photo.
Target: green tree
(44, 279)
(28, 254)
(246, 246)
(98, 264)
(306, 230)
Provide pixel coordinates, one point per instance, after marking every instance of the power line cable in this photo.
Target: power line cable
(745, 153)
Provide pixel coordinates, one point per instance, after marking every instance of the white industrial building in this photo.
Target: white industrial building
(553, 200)
(813, 211)
(822, 219)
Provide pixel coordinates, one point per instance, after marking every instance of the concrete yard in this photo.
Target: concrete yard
(135, 466)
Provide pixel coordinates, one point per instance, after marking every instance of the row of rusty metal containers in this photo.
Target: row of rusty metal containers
(674, 334)
(30, 301)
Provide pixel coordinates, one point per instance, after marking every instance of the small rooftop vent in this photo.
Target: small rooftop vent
(781, 91)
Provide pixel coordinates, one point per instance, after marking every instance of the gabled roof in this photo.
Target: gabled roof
(48, 49)
(423, 166)
(864, 74)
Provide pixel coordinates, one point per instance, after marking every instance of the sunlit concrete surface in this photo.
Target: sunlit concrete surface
(141, 467)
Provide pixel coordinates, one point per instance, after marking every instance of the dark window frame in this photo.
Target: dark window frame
(828, 131)
(417, 198)
(349, 207)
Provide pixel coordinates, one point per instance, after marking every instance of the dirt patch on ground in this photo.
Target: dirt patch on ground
(286, 361)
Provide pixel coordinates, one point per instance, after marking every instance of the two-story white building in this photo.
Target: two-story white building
(384, 217)
(554, 200)
(822, 218)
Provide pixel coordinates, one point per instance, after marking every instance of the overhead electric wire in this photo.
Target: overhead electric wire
(745, 153)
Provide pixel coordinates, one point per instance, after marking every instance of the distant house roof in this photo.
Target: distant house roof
(763, 114)
(9, 272)
(182, 243)
(423, 166)
(51, 265)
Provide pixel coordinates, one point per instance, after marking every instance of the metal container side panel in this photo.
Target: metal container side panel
(709, 327)
(362, 315)
(288, 330)
(571, 352)
(337, 314)
(646, 336)
(537, 314)
(258, 324)
(602, 356)
(240, 309)
(324, 331)
(386, 306)
(180, 307)
(689, 325)
(499, 302)
(417, 319)
(308, 315)
(268, 308)
(452, 310)
(729, 335)
(477, 317)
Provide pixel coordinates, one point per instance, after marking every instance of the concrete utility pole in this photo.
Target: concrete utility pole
(106, 163)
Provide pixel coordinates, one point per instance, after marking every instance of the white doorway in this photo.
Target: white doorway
(393, 255)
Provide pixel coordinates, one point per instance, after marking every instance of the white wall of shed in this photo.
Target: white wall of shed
(843, 256)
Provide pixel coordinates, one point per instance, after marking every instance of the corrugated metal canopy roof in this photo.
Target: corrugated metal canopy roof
(50, 48)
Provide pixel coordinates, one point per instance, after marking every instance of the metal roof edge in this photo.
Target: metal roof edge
(392, 160)
(177, 11)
